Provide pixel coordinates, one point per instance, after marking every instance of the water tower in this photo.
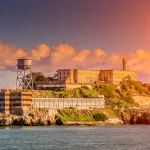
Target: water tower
(24, 74)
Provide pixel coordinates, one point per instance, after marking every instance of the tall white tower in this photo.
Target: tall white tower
(24, 74)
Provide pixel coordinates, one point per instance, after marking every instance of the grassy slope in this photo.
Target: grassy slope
(82, 115)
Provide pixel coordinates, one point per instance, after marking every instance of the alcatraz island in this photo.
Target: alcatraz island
(75, 97)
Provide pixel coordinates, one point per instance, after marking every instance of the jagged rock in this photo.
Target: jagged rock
(132, 120)
(2, 121)
(125, 118)
(43, 117)
(18, 121)
(28, 121)
(58, 120)
(143, 119)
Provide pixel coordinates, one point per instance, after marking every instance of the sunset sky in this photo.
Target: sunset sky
(86, 34)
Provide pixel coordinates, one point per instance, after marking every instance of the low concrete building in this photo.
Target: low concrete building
(12, 102)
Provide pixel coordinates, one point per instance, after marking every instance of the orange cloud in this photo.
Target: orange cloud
(9, 54)
(39, 52)
(61, 54)
(49, 59)
(81, 57)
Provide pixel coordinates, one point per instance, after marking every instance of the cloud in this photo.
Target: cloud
(61, 54)
(48, 59)
(39, 52)
(9, 54)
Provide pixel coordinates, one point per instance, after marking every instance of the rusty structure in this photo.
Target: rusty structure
(24, 74)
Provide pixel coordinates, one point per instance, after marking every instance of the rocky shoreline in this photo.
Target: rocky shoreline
(29, 121)
(50, 117)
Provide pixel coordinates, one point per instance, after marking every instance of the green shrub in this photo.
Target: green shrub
(100, 117)
(31, 115)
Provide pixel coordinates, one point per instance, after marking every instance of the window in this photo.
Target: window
(26, 100)
(17, 104)
(15, 99)
(26, 104)
(26, 94)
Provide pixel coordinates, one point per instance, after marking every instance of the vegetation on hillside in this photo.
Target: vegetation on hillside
(82, 115)
(115, 96)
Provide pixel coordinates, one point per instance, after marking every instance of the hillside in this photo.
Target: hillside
(115, 96)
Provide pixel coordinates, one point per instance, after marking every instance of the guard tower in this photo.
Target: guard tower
(124, 62)
(24, 74)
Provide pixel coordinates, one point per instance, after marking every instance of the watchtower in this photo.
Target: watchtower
(24, 74)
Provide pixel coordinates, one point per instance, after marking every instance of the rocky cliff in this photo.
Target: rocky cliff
(39, 117)
(136, 117)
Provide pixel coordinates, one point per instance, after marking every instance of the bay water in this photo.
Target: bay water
(103, 137)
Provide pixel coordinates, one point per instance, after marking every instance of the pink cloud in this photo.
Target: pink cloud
(49, 59)
(39, 52)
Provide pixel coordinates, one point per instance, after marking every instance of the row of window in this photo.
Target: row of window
(26, 94)
(107, 74)
(15, 99)
(65, 73)
(106, 78)
(15, 94)
(26, 104)
(62, 78)
(18, 99)
(16, 104)
(116, 76)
